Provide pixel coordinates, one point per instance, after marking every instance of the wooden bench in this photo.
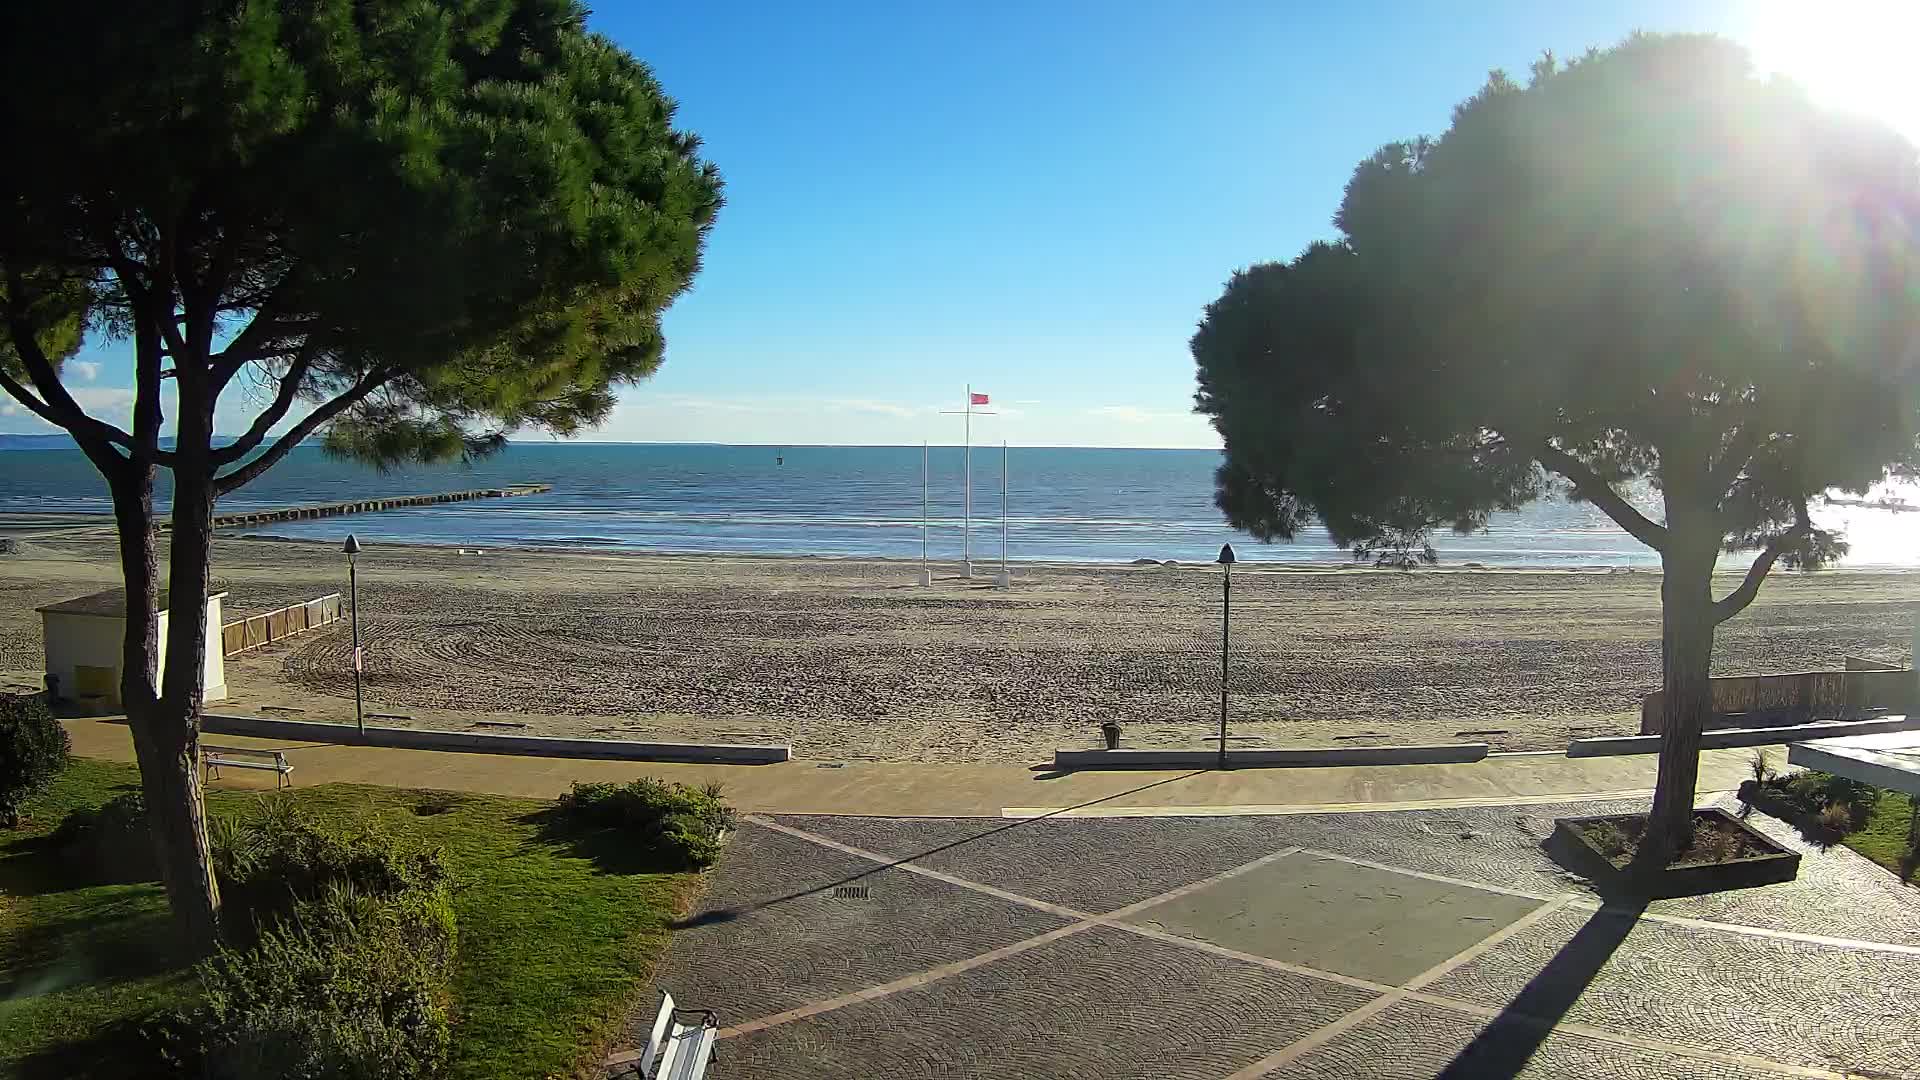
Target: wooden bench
(681, 1043)
(214, 758)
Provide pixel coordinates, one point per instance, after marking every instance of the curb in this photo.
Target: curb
(1724, 738)
(1312, 757)
(471, 742)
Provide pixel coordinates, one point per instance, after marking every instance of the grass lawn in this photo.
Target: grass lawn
(555, 941)
(1884, 840)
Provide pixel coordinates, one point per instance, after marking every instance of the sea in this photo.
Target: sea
(1033, 503)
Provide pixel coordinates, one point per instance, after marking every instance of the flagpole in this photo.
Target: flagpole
(1006, 579)
(926, 573)
(966, 525)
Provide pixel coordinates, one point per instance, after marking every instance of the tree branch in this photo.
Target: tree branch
(54, 404)
(1601, 494)
(273, 414)
(1736, 601)
(1738, 453)
(368, 383)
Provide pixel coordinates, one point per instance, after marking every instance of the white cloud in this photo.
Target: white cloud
(1134, 414)
(798, 420)
(88, 370)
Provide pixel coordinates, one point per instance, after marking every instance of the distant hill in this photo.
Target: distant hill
(63, 441)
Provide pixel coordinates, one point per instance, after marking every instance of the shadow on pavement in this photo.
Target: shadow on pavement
(1503, 1048)
(728, 914)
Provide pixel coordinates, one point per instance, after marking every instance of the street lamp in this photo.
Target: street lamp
(1226, 628)
(352, 548)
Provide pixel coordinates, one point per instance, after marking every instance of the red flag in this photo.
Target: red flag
(979, 399)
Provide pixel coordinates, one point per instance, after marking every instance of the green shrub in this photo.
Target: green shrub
(678, 825)
(348, 958)
(112, 842)
(33, 750)
(270, 861)
(347, 987)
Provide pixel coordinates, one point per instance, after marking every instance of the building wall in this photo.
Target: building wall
(74, 642)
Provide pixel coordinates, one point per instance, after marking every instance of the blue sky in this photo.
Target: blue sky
(1038, 199)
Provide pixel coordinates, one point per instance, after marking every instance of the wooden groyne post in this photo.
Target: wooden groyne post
(368, 506)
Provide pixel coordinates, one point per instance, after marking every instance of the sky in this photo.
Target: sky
(1038, 200)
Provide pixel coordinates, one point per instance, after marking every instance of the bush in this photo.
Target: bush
(274, 859)
(678, 825)
(112, 842)
(33, 750)
(350, 958)
(348, 987)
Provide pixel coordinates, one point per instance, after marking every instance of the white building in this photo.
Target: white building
(85, 638)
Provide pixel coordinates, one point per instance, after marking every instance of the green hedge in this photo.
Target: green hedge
(342, 959)
(674, 825)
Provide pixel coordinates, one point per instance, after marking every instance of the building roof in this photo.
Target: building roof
(1889, 760)
(108, 603)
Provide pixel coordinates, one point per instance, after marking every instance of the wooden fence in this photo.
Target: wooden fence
(257, 630)
(1802, 695)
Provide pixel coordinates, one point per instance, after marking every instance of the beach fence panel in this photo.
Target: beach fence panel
(271, 626)
(1795, 696)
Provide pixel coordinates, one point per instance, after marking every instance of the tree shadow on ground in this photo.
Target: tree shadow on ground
(117, 933)
(1504, 1046)
(728, 914)
(112, 1051)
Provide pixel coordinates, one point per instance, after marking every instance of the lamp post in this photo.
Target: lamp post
(1226, 629)
(352, 548)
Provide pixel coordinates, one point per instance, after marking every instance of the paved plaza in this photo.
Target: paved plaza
(1405, 944)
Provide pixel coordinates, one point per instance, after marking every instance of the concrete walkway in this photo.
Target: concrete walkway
(978, 790)
(1357, 946)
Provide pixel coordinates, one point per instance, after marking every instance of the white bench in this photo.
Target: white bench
(213, 758)
(681, 1043)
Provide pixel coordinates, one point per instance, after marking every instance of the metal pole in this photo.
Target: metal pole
(353, 588)
(1003, 508)
(1226, 629)
(966, 526)
(923, 506)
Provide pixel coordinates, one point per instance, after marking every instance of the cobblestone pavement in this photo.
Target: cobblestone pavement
(1398, 945)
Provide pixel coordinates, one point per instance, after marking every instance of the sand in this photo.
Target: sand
(852, 660)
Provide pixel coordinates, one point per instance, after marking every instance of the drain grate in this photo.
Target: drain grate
(853, 892)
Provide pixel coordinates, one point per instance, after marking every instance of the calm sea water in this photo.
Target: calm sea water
(1101, 505)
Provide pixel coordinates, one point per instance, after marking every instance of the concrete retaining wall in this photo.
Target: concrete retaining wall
(473, 743)
(1722, 738)
(1257, 758)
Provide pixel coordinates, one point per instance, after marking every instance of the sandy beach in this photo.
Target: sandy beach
(852, 660)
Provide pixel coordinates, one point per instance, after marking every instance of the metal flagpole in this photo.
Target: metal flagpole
(966, 526)
(1006, 579)
(926, 572)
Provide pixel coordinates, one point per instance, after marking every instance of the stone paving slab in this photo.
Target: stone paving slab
(1118, 861)
(1788, 1001)
(770, 935)
(1336, 916)
(1101, 1004)
(1092, 864)
(1417, 1041)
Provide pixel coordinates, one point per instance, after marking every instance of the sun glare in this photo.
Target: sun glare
(1851, 54)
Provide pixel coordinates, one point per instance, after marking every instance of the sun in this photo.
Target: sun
(1855, 55)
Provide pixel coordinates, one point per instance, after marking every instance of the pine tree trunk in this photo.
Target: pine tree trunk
(187, 857)
(1686, 648)
(165, 747)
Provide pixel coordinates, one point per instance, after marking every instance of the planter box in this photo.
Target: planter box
(1569, 843)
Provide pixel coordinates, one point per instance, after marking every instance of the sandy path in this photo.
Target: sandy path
(850, 660)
